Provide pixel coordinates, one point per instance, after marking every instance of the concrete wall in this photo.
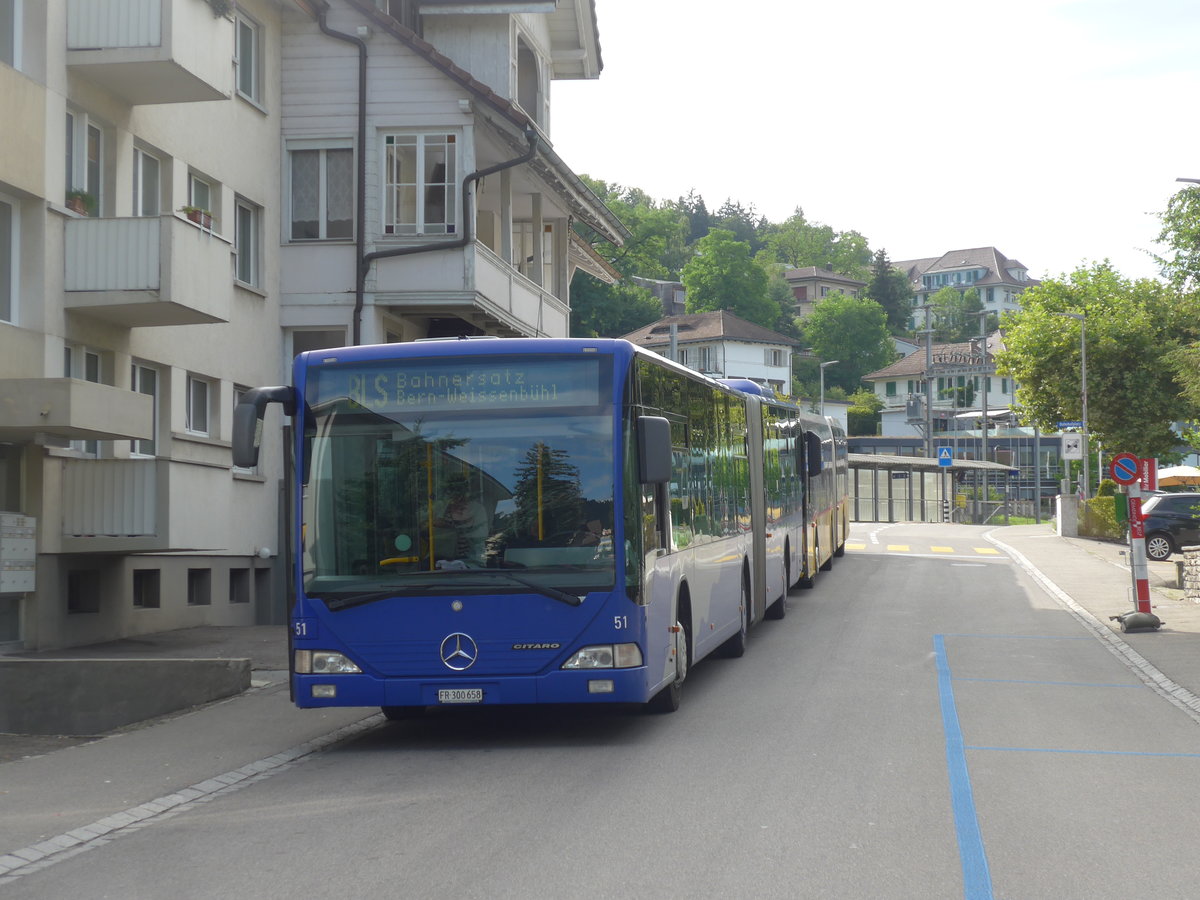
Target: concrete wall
(92, 696)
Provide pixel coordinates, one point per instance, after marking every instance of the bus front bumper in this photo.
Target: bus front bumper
(587, 686)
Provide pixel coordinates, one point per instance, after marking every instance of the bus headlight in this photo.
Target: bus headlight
(323, 662)
(606, 656)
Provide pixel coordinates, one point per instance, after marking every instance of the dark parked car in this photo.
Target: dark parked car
(1172, 521)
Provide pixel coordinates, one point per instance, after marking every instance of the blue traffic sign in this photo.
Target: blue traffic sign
(1071, 424)
(1124, 468)
(945, 456)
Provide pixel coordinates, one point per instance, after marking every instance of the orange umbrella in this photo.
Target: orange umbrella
(1174, 476)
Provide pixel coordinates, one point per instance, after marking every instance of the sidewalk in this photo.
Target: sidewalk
(1095, 576)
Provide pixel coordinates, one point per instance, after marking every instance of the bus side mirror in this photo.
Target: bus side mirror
(248, 418)
(654, 449)
(812, 447)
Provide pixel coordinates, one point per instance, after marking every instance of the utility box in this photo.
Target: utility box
(18, 553)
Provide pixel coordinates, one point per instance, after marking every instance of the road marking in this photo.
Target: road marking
(27, 860)
(941, 549)
(977, 880)
(850, 546)
(989, 550)
(897, 548)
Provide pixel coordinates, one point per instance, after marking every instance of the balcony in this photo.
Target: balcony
(151, 51)
(69, 409)
(147, 271)
(144, 505)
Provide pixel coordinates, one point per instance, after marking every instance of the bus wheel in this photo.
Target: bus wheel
(667, 700)
(778, 609)
(402, 713)
(735, 647)
(840, 549)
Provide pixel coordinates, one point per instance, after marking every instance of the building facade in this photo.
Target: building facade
(193, 190)
(811, 284)
(721, 345)
(998, 279)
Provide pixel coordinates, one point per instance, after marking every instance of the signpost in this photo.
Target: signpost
(1136, 473)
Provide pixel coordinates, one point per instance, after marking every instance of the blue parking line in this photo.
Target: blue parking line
(977, 880)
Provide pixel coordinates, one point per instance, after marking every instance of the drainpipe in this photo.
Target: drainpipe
(468, 223)
(360, 222)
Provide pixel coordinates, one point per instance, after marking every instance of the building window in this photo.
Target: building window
(8, 260)
(247, 242)
(9, 30)
(322, 193)
(199, 587)
(248, 58)
(146, 191)
(83, 591)
(144, 380)
(84, 364)
(85, 159)
(200, 193)
(890, 389)
(199, 398)
(146, 588)
(316, 340)
(420, 192)
(239, 585)
(774, 357)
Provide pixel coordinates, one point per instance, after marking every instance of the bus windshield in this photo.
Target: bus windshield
(471, 475)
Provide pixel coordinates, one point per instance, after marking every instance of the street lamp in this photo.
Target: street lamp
(1083, 388)
(823, 365)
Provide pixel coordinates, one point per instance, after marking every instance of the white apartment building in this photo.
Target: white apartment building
(998, 279)
(721, 345)
(324, 216)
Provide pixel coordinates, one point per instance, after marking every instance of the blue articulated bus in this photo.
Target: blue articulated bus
(534, 520)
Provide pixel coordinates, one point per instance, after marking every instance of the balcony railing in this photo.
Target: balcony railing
(147, 271)
(152, 51)
(71, 409)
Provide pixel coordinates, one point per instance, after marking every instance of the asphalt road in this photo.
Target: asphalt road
(925, 723)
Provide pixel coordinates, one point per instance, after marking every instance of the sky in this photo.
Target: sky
(1052, 130)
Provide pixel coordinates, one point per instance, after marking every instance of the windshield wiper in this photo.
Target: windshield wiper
(339, 600)
(544, 589)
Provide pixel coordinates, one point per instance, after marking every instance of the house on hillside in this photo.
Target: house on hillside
(959, 376)
(811, 284)
(998, 279)
(721, 345)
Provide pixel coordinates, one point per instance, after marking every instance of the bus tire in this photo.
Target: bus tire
(778, 609)
(735, 647)
(667, 700)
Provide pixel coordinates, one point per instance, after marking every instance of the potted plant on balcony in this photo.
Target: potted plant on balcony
(201, 217)
(81, 202)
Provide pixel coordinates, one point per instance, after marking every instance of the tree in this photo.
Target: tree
(955, 314)
(1133, 330)
(890, 288)
(863, 414)
(799, 243)
(610, 310)
(1181, 235)
(723, 276)
(852, 330)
